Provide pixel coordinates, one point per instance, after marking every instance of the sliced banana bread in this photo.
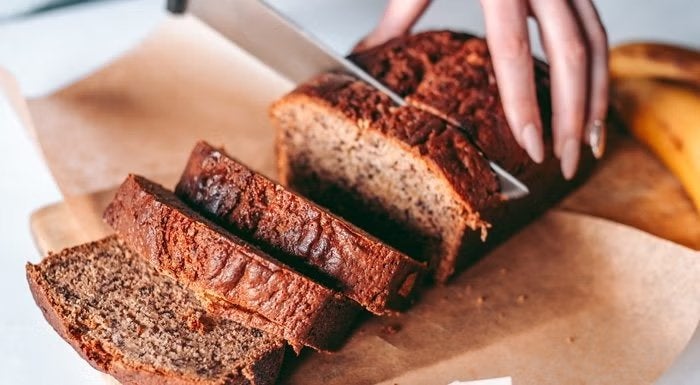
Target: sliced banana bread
(143, 327)
(226, 271)
(408, 178)
(290, 227)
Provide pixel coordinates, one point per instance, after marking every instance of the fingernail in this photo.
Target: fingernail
(570, 152)
(597, 137)
(532, 142)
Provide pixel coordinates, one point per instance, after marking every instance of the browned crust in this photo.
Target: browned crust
(366, 270)
(262, 372)
(451, 75)
(213, 262)
(402, 62)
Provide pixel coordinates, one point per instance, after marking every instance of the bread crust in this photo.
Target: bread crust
(452, 77)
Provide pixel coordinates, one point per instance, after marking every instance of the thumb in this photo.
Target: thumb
(398, 19)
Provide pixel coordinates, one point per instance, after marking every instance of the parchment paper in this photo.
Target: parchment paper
(572, 299)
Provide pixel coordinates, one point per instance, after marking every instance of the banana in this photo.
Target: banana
(655, 60)
(665, 116)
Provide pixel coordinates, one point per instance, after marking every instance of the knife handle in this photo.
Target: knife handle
(177, 6)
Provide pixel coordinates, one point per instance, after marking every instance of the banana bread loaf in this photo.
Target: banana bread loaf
(409, 178)
(227, 272)
(289, 226)
(143, 327)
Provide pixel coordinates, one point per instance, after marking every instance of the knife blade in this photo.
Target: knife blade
(295, 53)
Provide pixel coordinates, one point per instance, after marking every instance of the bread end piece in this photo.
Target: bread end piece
(96, 297)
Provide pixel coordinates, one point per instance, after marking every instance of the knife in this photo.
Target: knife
(296, 54)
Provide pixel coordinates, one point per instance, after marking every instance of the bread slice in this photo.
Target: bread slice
(408, 178)
(403, 175)
(142, 327)
(226, 271)
(292, 228)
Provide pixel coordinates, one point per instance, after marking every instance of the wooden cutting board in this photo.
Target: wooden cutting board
(144, 112)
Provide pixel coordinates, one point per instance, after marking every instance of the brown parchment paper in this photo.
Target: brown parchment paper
(572, 299)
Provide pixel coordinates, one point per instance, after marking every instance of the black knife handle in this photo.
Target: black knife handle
(177, 6)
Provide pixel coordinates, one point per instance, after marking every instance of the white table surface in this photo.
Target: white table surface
(51, 50)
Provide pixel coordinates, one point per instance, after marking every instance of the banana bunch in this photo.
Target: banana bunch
(656, 92)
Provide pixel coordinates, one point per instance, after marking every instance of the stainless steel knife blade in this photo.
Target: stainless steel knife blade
(294, 53)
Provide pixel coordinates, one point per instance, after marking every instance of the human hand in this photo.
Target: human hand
(576, 47)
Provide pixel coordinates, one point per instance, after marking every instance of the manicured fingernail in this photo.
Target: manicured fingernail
(532, 143)
(570, 152)
(597, 137)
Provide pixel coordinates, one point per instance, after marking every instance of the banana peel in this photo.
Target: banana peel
(665, 116)
(655, 60)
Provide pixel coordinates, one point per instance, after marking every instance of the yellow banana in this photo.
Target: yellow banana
(665, 116)
(655, 60)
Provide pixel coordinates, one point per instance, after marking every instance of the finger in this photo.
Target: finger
(509, 45)
(567, 52)
(398, 18)
(597, 38)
